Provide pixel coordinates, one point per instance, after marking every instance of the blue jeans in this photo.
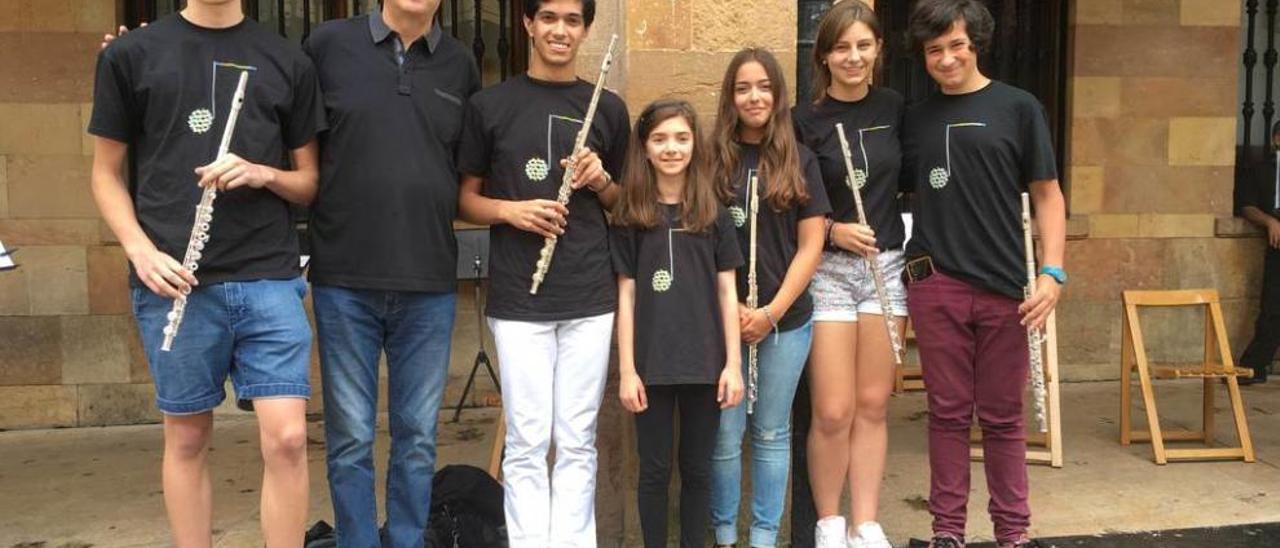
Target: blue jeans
(256, 332)
(781, 362)
(414, 329)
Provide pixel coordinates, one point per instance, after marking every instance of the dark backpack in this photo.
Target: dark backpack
(466, 510)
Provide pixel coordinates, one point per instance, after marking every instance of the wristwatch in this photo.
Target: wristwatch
(1056, 272)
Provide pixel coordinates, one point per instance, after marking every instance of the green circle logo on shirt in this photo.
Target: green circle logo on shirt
(200, 120)
(938, 178)
(536, 169)
(738, 215)
(859, 178)
(661, 281)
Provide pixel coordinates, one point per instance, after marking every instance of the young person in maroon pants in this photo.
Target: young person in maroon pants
(968, 154)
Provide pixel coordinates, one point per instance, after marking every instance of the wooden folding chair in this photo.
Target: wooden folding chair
(908, 376)
(1216, 365)
(1050, 441)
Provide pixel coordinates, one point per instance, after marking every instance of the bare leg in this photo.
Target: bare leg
(869, 438)
(188, 494)
(831, 383)
(282, 428)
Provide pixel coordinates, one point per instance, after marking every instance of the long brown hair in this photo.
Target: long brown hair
(637, 207)
(779, 168)
(834, 23)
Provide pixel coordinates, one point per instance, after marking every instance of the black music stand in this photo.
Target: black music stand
(6, 258)
(473, 248)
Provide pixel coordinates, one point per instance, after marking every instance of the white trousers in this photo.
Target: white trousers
(553, 376)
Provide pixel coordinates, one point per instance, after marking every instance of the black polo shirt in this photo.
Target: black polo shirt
(383, 218)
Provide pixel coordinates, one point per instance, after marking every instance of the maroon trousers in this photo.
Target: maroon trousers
(974, 357)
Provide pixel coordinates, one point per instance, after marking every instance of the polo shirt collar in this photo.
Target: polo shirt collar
(379, 31)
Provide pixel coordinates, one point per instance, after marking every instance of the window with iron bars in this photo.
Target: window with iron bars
(1254, 127)
(492, 28)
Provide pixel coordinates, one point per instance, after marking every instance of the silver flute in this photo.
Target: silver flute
(203, 218)
(873, 263)
(566, 182)
(753, 290)
(1034, 337)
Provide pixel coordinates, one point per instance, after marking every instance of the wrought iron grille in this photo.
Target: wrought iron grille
(1259, 83)
(492, 27)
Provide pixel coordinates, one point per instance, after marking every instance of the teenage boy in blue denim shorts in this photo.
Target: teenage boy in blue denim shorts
(162, 96)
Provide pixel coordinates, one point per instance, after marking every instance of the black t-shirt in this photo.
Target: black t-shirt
(514, 135)
(968, 158)
(777, 232)
(383, 218)
(679, 331)
(165, 90)
(871, 125)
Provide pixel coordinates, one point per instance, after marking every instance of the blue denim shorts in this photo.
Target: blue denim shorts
(256, 332)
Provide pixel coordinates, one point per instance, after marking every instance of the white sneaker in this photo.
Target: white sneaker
(830, 533)
(869, 535)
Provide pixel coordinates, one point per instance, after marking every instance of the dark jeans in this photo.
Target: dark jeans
(655, 429)
(1266, 330)
(804, 516)
(974, 355)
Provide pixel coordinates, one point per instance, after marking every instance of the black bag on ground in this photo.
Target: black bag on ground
(320, 535)
(466, 510)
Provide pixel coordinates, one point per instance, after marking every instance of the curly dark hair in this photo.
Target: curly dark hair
(933, 18)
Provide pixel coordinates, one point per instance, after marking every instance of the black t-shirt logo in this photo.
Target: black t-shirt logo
(938, 176)
(538, 169)
(736, 212)
(664, 278)
(201, 119)
(862, 174)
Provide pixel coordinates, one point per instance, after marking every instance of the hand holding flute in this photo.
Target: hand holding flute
(203, 217)
(567, 182)
(1034, 337)
(873, 264)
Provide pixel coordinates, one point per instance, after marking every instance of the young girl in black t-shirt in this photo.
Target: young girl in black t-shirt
(851, 367)
(677, 334)
(754, 139)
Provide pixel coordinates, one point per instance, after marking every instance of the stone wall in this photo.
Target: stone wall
(681, 47)
(69, 355)
(1151, 159)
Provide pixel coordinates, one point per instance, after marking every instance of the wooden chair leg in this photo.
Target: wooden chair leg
(1148, 391)
(1209, 382)
(1126, 382)
(1242, 424)
(1054, 440)
(1233, 384)
(499, 443)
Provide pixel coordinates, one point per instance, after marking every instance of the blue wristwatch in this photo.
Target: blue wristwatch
(1057, 273)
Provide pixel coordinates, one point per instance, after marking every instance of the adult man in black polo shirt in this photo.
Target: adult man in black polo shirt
(383, 252)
